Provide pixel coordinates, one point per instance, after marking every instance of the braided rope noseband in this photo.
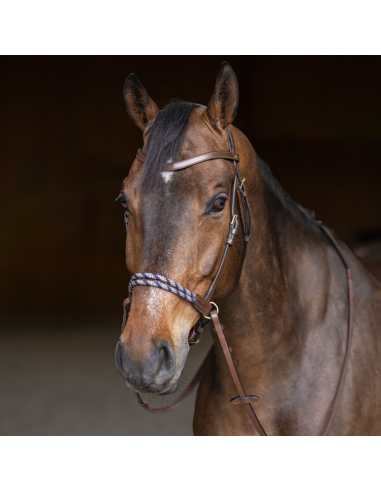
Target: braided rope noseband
(153, 280)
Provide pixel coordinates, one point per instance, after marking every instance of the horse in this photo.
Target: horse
(283, 303)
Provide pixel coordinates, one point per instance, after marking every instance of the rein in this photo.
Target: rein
(204, 306)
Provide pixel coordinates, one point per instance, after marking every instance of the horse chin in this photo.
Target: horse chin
(173, 388)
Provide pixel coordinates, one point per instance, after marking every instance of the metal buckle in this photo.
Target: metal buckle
(231, 223)
(214, 304)
(236, 157)
(196, 341)
(240, 187)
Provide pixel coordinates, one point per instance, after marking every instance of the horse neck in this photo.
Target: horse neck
(273, 294)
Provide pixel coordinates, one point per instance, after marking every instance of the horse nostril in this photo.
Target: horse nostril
(121, 359)
(165, 367)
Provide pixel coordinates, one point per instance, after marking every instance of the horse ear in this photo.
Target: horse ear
(223, 105)
(140, 106)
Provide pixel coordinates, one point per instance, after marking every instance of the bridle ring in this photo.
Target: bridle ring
(214, 304)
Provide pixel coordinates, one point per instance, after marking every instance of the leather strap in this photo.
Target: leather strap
(246, 220)
(202, 305)
(175, 166)
(243, 398)
(339, 388)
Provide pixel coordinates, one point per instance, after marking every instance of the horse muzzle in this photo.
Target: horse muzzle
(155, 374)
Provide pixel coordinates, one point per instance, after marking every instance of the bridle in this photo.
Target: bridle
(204, 304)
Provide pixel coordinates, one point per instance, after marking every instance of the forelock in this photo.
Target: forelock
(165, 139)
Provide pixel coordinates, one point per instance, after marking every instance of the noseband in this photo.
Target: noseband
(204, 305)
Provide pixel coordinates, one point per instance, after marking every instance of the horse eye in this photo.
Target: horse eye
(122, 200)
(219, 204)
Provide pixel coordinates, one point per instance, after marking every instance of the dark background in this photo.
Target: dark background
(67, 144)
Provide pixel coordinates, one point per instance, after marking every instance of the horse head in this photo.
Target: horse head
(178, 222)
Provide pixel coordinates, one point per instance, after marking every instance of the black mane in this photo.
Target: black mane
(165, 139)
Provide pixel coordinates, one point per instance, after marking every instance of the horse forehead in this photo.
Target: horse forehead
(187, 186)
(173, 195)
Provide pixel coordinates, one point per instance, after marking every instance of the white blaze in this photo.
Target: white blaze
(167, 176)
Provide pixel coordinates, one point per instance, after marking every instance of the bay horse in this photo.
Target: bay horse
(284, 305)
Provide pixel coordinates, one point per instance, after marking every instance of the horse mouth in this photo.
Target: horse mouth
(191, 334)
(173, 389)
(150, 391)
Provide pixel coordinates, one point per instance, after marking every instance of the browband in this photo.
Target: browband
(175, 166)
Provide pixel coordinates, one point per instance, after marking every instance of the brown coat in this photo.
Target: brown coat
(284, 310)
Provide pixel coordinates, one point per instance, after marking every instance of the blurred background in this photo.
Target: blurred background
(66, 145)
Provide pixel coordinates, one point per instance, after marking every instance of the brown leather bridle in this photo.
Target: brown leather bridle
(204, 305)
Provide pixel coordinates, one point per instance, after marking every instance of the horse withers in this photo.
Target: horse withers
(284, 307)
